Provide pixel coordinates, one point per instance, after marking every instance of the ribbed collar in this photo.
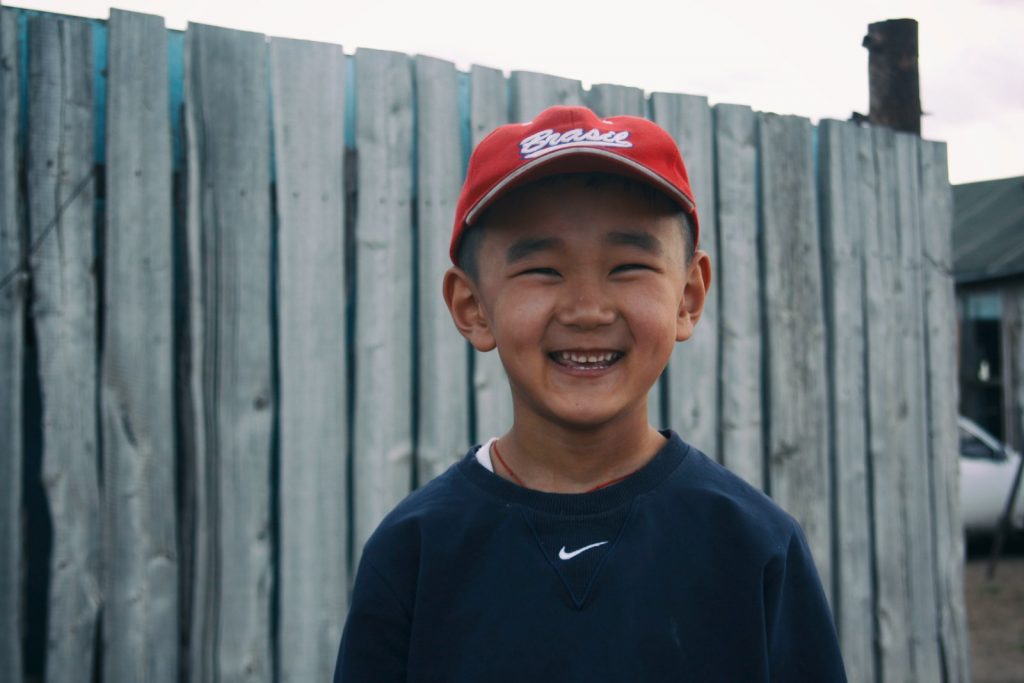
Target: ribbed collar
(665, 461)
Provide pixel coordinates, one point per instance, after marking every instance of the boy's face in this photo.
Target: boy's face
(585, 292)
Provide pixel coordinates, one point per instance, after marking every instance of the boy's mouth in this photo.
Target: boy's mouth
(586, 360)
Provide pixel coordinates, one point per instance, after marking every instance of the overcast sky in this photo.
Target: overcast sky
(789, 56)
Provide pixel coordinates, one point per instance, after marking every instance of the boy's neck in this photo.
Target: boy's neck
(556, 459)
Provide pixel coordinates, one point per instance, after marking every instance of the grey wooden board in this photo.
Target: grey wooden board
(140, 572)
(693, 371)
(913, 435)
(798, 453)
(443, 353)
(847, 181)
(616, 100)
(531, 93)
(384, 289)
(488, 109)
(943, 443)
(229, 226)
(888, 457)
(736, 277)
(308, 83)
(60, 212)
(13, 292)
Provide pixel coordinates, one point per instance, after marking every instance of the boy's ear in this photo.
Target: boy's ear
(695, 291)
(463, 299)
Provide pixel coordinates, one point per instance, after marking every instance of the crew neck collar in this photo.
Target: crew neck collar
(664, 462)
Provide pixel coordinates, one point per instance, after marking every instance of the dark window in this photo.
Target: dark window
(981, 390)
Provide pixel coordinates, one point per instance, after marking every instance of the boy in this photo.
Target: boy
(583, 545)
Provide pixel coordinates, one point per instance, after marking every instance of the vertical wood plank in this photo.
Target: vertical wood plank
(886, 417)
(798, 454)
(912, 394)
(229, 224)
(532, 93)
(13, 291)
(940, 338)
(737, 278)
(384, 288)
(489, 108)
(140, 576)
(846, 167)
(693, 371)
(60, 194)
(308, 83)
(443, 353)
(615, 100)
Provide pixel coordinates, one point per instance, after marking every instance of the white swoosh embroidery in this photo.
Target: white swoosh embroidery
(568, 556)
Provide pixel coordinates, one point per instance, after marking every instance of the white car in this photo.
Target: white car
(987, 470)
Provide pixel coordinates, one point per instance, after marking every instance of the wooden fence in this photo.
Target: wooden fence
(224, 355)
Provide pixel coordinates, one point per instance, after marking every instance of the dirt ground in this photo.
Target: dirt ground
(995, 617)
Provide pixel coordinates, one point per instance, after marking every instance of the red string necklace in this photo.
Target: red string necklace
(494, 447)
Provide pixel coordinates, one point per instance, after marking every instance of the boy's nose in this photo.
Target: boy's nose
(585, 307)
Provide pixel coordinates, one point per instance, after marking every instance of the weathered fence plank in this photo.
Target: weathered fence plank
(736, 276)
(308, 84)
(229, 224)
(140, 573)
(912, 393)
(846, 167)
(13, 290)
(798, 456)
(61, 186)
(888, 460)
(384, 288)
(940, 339)
(616, 100)
(488, 109)
(443, 353)
(532, 93)
(693, 372)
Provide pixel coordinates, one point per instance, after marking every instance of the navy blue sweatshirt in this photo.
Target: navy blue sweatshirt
(681, 572)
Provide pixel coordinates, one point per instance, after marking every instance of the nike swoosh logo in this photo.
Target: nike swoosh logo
(568, 556)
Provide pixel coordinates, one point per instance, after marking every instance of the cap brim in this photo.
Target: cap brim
(576, 160)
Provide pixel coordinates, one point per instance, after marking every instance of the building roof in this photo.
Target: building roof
(988, 229)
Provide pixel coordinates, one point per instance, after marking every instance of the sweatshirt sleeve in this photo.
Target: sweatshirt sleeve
(801, 636)
(375, 642)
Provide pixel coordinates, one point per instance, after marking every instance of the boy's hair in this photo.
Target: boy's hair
(468, 253)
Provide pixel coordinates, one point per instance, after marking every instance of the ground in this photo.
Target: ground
(995, 614)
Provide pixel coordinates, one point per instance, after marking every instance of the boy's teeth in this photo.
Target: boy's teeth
(586, 358)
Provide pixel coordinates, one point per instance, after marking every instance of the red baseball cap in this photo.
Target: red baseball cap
(570, 140)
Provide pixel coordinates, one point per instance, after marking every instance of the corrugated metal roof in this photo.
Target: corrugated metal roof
(988, 229)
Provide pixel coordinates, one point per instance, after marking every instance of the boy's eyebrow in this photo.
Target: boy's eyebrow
(527, 247)
(641, 240)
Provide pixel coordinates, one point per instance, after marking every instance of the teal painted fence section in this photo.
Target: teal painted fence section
(224, 358)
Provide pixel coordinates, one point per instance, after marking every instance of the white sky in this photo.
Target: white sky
(788, 56)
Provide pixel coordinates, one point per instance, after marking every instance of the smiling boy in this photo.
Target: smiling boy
(583, 544)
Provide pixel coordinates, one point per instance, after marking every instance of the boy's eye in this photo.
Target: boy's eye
(626, 267)
(540, 271)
